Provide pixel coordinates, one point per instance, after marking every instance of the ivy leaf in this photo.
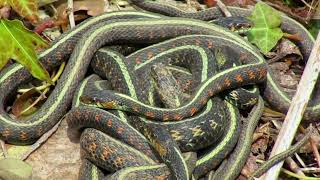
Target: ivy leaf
(25, 8)
(19, 43)
(266, 31)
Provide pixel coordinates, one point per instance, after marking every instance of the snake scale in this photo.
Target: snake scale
(79, 46)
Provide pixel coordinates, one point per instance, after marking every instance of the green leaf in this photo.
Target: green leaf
(25, 8)
(266, 31)
(18, 43)
(14, 169)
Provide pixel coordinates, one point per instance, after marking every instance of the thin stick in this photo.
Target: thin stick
(298, 105)
(311, 170)
(4, 150)
(305, 3)
(300, 160)
(315, 150)
(70, 12)
(294, 166)
(314, 147)
(297, 176)
(223, 8)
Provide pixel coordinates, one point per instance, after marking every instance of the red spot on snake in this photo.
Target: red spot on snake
(149, 114)
(161, 178)
(165, 117)
(251, 74)
(106, 152)
(39, 131)
(262, 73)
(77, 114)
(92, 147)
(109, 122)
(177, 117)
(98, 117)
(210, 93)
(138, 61)
(135, 109)
(210, 44)
(203, 101)
(23, 136)
(150, 55)
(119, 161)
(227, 82)
(6, 132)
(120, 130)
(193, 111)
(239, 78)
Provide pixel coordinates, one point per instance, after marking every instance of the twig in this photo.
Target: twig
(41, 97)
(314, 147)
(37, 144)
(305, 3)
(315, 150)
(288, 12)
(297, 176)
(300, 160)
(5, 12)
(70, 12)
(294, 166)
(311, 170)
(4, 150)
(298, 105)
(223, 8)
(54, 78)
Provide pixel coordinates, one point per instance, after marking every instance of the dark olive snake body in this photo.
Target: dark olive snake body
(112, 28)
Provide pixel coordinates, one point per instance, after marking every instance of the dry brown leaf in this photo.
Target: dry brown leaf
(286, 48)
(92, 8)
(250, 166)
(23, 102)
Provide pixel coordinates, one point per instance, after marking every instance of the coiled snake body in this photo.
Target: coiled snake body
(138, 28)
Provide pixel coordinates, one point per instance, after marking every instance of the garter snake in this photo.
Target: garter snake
(176, 124)
(133, 31)
(26, 133)
(227, 141)
(205, 160)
